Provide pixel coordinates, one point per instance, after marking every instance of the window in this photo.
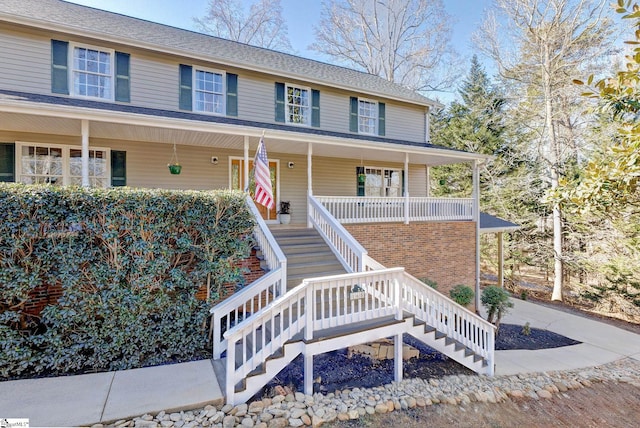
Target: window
(60, 165)
(383, 182)
(92, 72)
(208, 91)
(367, 116)
(298, 106)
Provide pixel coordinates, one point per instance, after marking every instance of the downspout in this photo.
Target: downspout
(476, 218)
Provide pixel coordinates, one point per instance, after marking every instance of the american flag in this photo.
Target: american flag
(264, 191)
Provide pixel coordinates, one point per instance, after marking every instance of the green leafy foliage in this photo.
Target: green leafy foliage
(461, 294)
(129, 263)
(496, 301)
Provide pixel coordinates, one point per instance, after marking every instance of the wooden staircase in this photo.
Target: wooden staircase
(308, 255)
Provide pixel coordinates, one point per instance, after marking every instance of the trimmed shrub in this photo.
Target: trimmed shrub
(462, 294)
(128, 263)
(496, 302)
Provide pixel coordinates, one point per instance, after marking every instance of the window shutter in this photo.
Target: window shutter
(279, 102)
(122, 77)
(232, 94)
(118, 168)
(59, 66)
(404, 190)
(7, 162)
(185, 87)
(353, 116)
(381, 124)
(315, 108)
(360, 183)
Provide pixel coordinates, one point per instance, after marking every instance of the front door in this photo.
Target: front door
(237, 183)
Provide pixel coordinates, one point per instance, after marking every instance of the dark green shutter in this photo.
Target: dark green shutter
(186, 78)
(7, 162)
(381, 124)
(360, 183)
(315, 108)
(122, 77)
(232, 94)
(59, 67)
(118, 168)
(404, 191)
(279, 102)
(353, 116)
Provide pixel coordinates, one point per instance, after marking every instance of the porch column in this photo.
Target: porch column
(500, 260)
(428, 171)
(309, 179)
(406, 188)
(476, 218)
(246, 163)
(85, 152)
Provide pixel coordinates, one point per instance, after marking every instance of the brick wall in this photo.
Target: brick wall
(441, 251)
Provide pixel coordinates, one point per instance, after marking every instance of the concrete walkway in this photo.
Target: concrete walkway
(90, 398)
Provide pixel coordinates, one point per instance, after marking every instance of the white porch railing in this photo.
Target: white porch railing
(346, 247)
(329, 302)
(375, 210)
(256, 295)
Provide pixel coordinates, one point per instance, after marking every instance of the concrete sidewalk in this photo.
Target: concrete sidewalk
(601, 343)
(90, 398)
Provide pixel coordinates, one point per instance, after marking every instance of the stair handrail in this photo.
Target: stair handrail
(388, 292)
(264, 320)
(450, 318)
(256, 295)
(346, 248)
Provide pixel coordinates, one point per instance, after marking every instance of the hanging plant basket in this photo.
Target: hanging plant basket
(174, 166)
(362, 178)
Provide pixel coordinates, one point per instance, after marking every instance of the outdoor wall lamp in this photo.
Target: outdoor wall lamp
(214, 160)
(291, 164)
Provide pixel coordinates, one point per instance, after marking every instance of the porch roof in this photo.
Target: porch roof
(28, 112)
(493, 224)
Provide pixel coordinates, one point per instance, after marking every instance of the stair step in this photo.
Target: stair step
(298, 258)
(314, 267)
(304, 248)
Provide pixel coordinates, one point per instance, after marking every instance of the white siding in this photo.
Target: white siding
(25, 62)
(405, 122)
(154, 82)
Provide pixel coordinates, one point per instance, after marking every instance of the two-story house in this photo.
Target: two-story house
(100, 99)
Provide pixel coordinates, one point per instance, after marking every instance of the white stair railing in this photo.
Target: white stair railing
(348, 250)
(256, 295)
(448, 317)
(335, 301)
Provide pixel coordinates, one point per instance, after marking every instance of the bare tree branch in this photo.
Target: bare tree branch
(263, 26)
(404, 41)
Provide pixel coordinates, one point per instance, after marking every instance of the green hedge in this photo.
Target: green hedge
(129, 263)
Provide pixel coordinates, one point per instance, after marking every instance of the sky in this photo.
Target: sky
(300, 15)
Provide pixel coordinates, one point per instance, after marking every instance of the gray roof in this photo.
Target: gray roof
(57, 15)
(493, 224)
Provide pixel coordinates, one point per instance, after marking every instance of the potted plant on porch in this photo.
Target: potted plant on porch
(284, 214)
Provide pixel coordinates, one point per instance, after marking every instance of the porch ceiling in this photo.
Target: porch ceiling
(117, 126)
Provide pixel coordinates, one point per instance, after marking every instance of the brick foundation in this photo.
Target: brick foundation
(441, 251)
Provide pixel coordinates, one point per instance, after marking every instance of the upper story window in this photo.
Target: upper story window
(60, 165)
(367, 116)
(208, 91)
(92, 72)
(298, 107)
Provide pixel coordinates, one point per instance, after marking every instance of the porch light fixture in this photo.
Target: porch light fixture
(291, 164)
(214, 160)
